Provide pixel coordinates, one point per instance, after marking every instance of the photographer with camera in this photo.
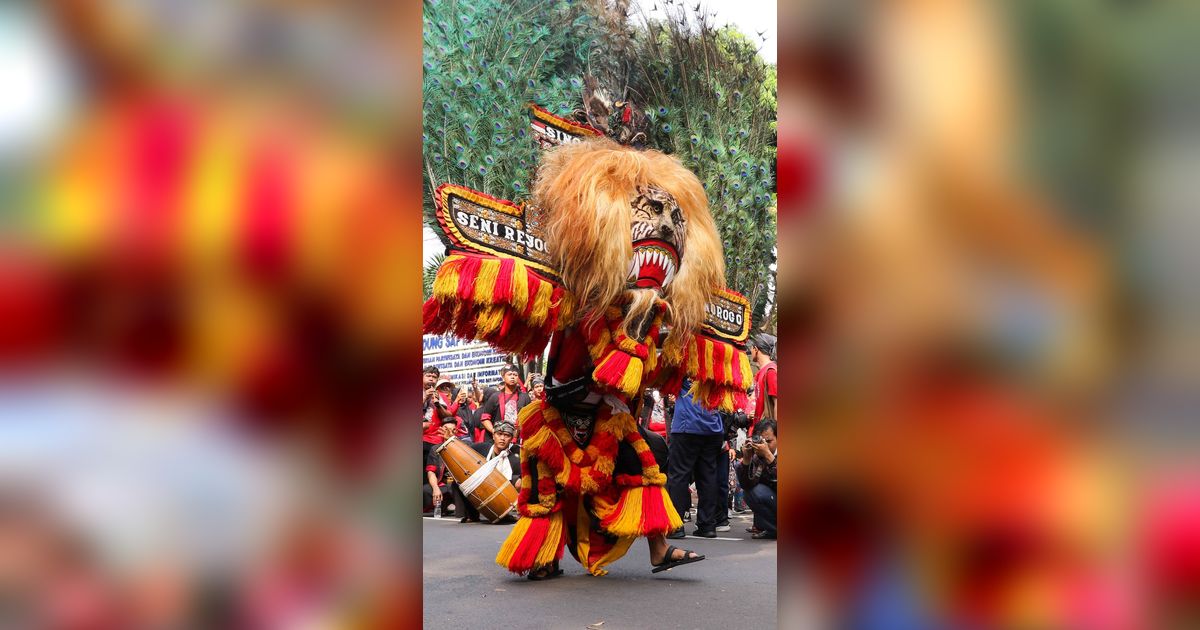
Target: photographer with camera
(757, 471)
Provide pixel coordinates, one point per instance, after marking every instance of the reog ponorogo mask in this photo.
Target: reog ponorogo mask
(616, 249)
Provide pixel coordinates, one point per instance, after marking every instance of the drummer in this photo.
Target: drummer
(510, 467)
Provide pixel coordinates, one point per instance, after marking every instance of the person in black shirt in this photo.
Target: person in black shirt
(506, 403)
(503, 446)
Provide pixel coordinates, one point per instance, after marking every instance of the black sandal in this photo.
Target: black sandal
(689, 557)
(546, 572)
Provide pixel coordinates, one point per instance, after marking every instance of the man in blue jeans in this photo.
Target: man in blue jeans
(757, 472)
(696, 449)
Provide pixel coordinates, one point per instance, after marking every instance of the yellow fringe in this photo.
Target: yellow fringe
(566, 310)
(672, 516)
(504, 556)
(745, 370)
(485, 282)
(445, 284)
(651, 361)
(632, 379)
(534, 441)
(489, 319)
(541, 304)
(708, 356)
(629, 521)
(550, 544)
(520, 287)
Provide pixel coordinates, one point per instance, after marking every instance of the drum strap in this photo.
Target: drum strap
(478, 476)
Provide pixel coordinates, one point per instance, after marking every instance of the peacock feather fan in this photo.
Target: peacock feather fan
(483, 61)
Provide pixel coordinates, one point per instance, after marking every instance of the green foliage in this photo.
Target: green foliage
(428, 274)
(713, 104)
(483, 61)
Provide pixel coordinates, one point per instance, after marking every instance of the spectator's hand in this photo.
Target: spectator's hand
(429, 393)
(437, 495)
(462, 396)
(763, 450)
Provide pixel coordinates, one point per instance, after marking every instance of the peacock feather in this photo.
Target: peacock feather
(483, 61)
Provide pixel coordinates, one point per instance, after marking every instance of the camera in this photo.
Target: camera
(733, 422)
(757, 439)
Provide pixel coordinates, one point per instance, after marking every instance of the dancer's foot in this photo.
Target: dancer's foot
(545, 572)
(674, 557)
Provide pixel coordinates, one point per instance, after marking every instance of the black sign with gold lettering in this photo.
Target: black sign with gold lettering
(550, 130)
(727, 316)
(478, 222)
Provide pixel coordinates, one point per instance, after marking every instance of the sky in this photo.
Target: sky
(749, 16)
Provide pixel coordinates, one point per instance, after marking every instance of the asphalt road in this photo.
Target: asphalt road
(734, 587)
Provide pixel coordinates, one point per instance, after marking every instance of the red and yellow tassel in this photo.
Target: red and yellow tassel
(720, 373)
(533, 543)
(641, 511)
(498, 300)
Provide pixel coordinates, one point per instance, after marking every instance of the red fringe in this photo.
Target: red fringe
(601, 480)
(431, 315)
(468, 271)
(527, 550)
(546, 486)
(736, 364)
(552, 454)
(556, 297)
(719, 374)
(504, 278)
(531, 289)
(654, 513)
(628, 481)
(612, 368)
(572, 484)
(571, 354)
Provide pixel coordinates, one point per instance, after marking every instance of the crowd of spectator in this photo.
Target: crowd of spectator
(728, 460)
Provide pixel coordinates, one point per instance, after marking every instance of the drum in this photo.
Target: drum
(489, 491)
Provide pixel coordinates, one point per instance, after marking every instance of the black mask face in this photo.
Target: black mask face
(580, 427)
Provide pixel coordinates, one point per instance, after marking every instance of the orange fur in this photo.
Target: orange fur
(586, 189)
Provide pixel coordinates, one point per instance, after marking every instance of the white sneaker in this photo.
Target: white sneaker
(722, 528)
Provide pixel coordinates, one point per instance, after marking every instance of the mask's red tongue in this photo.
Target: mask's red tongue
(650, 276)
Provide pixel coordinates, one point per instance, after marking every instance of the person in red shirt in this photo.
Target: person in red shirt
(506, 403)
(456, 404)
(766, 383)
(435, 412)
